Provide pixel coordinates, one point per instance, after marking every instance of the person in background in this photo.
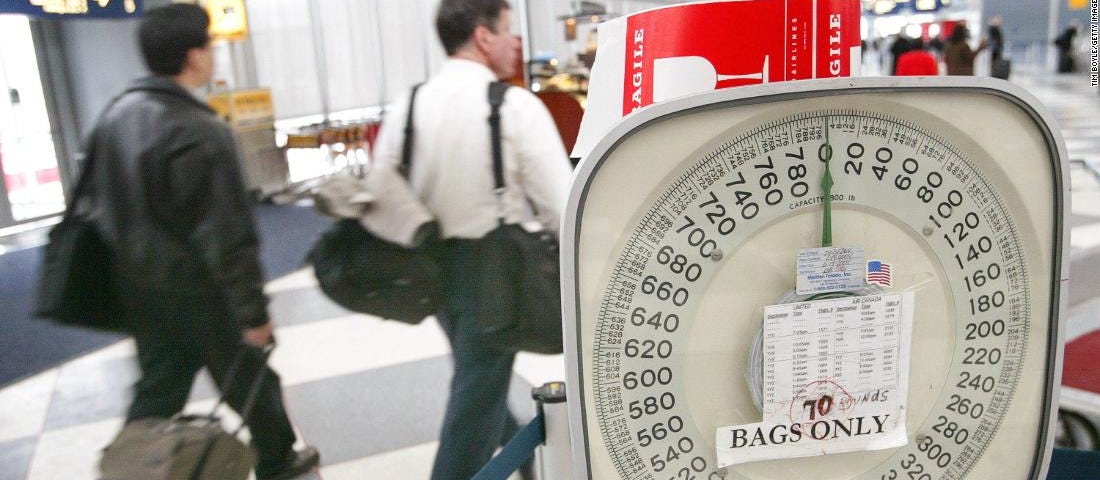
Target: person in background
(897, 49)
(999, 66)
(918, 61)
(996, 41)
(451, 172)
(1064, 42)
(957, 54)
(167, 196)
(935, 44)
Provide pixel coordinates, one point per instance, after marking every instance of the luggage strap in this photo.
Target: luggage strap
(496, 99)
(406, 147)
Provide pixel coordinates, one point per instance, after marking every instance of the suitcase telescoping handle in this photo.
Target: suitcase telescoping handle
(246, 409)
(253, 391)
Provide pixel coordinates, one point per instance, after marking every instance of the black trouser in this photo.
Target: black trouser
(169, 361)
(477, 419)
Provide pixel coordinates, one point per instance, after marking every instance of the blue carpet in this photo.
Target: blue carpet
(29, 345)
(287, 232)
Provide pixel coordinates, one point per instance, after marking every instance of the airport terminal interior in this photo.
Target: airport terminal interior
(305, 85)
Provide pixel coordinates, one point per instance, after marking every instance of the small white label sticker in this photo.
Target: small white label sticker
(829, 269)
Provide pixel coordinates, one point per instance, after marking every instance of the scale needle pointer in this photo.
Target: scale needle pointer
(827, 189)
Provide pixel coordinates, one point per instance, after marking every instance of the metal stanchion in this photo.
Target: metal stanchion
(554, 459)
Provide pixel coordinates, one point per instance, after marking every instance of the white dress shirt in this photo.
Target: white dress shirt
(452, 154)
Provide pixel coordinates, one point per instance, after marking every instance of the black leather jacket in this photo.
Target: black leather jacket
(167, 195)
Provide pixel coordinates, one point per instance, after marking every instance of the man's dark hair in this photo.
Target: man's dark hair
(456, 20)
(168, 32)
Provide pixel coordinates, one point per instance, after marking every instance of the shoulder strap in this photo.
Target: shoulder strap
(89, 158)
(85, 174)
(406, 148)
(496, 99)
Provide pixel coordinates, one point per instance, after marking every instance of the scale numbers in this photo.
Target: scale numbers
(883, 166)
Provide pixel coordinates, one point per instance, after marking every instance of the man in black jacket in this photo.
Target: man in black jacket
(168, 199)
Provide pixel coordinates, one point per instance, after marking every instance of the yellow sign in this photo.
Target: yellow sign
(249, 108)
(1078, 4)
(228, 20)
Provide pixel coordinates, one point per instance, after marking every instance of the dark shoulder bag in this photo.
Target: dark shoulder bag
(519, 294)
(76, 283)
(366, 274)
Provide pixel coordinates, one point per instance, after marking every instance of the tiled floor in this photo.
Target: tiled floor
(370, 393)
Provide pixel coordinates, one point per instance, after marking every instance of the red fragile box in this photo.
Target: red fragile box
(669, 52)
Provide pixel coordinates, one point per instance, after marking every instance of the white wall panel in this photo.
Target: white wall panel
(282, 39)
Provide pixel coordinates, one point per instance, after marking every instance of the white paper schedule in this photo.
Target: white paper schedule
(835, 380)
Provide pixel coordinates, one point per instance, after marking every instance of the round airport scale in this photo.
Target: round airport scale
(685, 222)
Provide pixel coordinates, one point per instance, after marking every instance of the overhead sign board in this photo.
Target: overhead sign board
(73, 8)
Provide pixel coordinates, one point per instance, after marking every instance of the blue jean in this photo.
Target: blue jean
(477, 419)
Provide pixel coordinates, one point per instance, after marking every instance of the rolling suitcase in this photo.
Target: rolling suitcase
(184, 447)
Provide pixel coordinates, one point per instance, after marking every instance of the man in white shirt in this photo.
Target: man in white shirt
(451, 172)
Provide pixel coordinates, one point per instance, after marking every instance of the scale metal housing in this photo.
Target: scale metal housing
(977, 233)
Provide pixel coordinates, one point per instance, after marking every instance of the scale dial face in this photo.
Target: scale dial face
(686, 222)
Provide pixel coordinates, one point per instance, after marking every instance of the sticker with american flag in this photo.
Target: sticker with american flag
(878, 273)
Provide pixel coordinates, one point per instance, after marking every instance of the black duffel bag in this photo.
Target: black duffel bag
(517, 274)
(76, 284)
(365, 274)
(518, 280)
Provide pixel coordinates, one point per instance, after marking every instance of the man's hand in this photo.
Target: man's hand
(260, 336)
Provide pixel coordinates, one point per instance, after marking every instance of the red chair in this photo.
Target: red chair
(567, 113)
